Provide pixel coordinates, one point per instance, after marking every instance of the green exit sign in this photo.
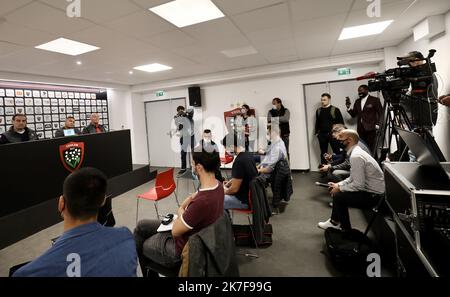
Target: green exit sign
(344, 71)
(160, 94)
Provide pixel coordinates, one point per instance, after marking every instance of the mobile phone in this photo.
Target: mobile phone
(322, 185)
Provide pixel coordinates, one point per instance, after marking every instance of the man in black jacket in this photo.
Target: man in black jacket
(19, 132)
(94, 127)
(279, 115)
(327, 116)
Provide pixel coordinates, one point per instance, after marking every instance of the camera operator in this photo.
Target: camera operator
(184, 123)
(420, 110)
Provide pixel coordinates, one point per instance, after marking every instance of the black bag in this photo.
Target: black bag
(243, 236)
(348, 250)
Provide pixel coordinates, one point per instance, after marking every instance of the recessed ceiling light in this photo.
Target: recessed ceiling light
(364, 30)
(239, 52)
(79, 62)
(155, 67)
(67, 47)
(184, 13)
(130, 72)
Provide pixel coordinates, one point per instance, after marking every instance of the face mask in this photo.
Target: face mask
(194, 173)
(244, 111)
(274, 107)
(206, 140)
(362, 95)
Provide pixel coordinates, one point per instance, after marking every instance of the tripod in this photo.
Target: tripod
(394, 115)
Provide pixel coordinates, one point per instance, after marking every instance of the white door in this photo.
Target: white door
(164, 150)
(338, 91)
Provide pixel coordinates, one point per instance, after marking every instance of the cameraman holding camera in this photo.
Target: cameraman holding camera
(184, 122)
(421, 111)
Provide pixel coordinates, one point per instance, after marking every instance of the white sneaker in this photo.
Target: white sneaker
(327, 224)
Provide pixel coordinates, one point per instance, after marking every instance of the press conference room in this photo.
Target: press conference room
(225, 138)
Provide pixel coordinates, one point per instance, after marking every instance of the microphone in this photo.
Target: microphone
(368, 75)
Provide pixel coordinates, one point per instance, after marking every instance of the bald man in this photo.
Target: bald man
(94, 127)
(362, 189)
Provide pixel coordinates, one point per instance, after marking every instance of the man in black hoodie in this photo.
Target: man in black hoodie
(19, 132)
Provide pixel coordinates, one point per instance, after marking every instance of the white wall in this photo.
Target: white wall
(258, 93)
(441, 43)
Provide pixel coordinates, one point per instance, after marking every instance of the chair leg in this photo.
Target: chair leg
(156, 208)
(176, 198)
(137, 210)
(253, 233)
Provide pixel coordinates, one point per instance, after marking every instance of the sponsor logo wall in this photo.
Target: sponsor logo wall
(47, 110)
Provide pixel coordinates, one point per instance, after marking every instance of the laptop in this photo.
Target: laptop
(423, 152)
(69, 132)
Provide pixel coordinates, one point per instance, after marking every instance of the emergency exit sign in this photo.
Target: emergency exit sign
(344, 71)
(160, 94)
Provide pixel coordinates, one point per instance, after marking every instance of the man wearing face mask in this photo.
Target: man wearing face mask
(280, 116)
(362, 189)
(368, 111)
(338, 168)
(100, 251)
(209, 146)
(184, 123)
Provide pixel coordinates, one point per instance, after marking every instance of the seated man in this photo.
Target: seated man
(339, 169)
(86, 248)
(362, 189)
(198, 211)
(19, 132)
(209, 146)
(276, 151)
(94, 126)
(242, 173)
(69, 125)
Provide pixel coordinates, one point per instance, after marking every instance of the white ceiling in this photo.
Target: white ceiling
(129, 35)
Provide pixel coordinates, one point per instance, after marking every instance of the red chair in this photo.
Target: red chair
(249, 213)
(227, 159)
(164, 187)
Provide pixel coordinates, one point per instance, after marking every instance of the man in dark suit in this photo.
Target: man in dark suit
(368, 110)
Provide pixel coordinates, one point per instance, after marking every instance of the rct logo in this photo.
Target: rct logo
(374, 8)
(74, 268)
(74, 9)
(374, 268)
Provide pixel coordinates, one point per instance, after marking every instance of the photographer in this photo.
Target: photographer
(421, 111)
(184, 123)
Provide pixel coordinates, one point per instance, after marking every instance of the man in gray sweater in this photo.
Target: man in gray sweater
(363, 189)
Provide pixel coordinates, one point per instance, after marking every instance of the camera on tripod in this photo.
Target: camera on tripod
(395, 82)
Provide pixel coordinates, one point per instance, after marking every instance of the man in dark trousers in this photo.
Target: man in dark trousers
(280, 115)
(19, 132)
(326, 116)
(368, 110)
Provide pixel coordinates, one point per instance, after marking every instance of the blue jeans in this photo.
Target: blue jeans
(231, 201)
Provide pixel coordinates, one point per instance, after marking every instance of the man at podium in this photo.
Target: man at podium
(68, 129)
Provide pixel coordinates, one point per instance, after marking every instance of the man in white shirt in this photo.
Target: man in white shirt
(363, 189)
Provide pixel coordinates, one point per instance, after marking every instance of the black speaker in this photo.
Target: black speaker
(195, 99)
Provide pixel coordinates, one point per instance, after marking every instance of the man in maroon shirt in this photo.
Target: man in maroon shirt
(198, 211)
